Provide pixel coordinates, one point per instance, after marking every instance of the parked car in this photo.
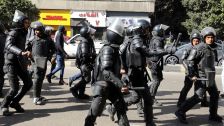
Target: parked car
(71, 45)
(176, 57)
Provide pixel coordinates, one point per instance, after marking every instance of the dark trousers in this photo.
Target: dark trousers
(157, 77)
(14, 95)
(198, 96)
(101, 92)
(138, 79)
(86, 78)
(39, 75)
(187, 86)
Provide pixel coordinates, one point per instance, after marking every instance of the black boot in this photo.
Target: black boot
(17, 107)
(204, 102)
(151, 124)
(181, 117)
(89, 121)
(122, 120)
(83, 96)
(74, 92)
(215, 118)
(48, 78)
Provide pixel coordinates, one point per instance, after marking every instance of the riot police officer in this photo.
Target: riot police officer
(195, 39)
(157, 43)
(201, 65)
(42, 48)
(85, 56)
(136, 59)
(16, 64)
(2, 45)
(106, 82)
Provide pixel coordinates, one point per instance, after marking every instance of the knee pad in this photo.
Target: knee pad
(97, 106)
(100, 89)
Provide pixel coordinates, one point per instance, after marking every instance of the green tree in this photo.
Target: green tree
(172, 13)
(8, 7)
(202, 13)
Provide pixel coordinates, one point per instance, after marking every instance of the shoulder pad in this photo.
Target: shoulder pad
(137, 41)
(200, 46)
(107, 57)
(192, 54)
(108, 50)
(185, 54)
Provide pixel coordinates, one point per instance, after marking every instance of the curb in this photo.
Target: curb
(180, 68)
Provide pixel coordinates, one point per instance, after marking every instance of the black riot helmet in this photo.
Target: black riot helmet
(159, 30)
(142, 27)
(115, 33)
(18, 19)
(195, 35)
(38, 26)
(208, 31)
(86, 31)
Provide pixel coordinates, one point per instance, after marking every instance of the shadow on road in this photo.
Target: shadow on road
(38, 113)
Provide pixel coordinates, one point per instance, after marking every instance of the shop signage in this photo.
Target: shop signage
(95, 18)
(55, 17)
(126, 20)
(51, 17)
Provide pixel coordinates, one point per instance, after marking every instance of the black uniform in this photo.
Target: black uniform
(2, 45)
(42, 49)
(201, 64)
(156, 63)
(188, 81)
(16, 65)
(84, 60)
(136, 60)
(106, 78)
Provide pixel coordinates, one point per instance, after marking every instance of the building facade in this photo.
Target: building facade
(98, 13)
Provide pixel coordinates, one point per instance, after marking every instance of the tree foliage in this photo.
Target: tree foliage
(202, 13)
(172, 13)
(8, 7)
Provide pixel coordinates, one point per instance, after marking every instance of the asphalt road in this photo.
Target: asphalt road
(64, 110)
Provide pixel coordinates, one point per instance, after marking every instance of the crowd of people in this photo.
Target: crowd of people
(118, 69)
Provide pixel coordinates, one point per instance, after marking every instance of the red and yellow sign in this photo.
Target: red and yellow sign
(55, 18)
